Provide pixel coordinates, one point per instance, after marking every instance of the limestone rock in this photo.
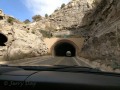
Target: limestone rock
(21, 43)
(25, 45)
(102, 25)
(66, 17)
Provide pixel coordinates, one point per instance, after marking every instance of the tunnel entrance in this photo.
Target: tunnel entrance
(1, 18)
(3, 39)
(61, 49)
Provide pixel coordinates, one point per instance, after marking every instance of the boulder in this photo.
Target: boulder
(23, 44)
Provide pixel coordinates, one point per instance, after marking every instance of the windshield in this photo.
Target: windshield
(84, 33)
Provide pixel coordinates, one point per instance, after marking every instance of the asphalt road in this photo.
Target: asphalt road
(47, 60)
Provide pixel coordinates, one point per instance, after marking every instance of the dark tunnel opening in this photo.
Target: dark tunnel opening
(3, 39)
(1, 18)
(61, 49)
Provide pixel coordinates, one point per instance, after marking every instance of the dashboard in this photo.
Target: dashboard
(18, 77)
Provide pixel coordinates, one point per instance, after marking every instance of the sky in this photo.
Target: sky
(25, 9)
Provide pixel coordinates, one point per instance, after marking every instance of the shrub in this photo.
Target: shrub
(55, 11)
(46, 34)
(33, 32)
(10, 20)
(37, 18)
(46, 15)
(27, 21)
(62, 6)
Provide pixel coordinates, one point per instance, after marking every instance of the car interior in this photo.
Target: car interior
(57, 78)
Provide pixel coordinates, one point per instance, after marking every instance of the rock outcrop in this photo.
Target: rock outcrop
(102, 25)
(21, 42)
(68, 16)
(71, 14)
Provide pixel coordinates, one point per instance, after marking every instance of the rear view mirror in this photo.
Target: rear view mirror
(3, 39)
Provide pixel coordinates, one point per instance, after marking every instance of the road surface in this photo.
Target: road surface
(47, 60)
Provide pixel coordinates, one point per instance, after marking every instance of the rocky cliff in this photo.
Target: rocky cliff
(102, 25)
(98, 21)
(71, 14)
(22, 42)
(66, 17)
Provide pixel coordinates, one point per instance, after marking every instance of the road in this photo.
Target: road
(47, 60)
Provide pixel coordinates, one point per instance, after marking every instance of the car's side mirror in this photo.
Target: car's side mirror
(3, 39)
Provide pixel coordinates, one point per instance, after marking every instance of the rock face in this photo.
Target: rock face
(21, 42)
(71, 14)
(103, 28)
(62, 18)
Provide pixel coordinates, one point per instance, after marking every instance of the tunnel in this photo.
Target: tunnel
(3, 39)
(1, 18)
(61, 49)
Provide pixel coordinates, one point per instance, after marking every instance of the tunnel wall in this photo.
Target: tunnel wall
(76, 42)
(64, 41)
